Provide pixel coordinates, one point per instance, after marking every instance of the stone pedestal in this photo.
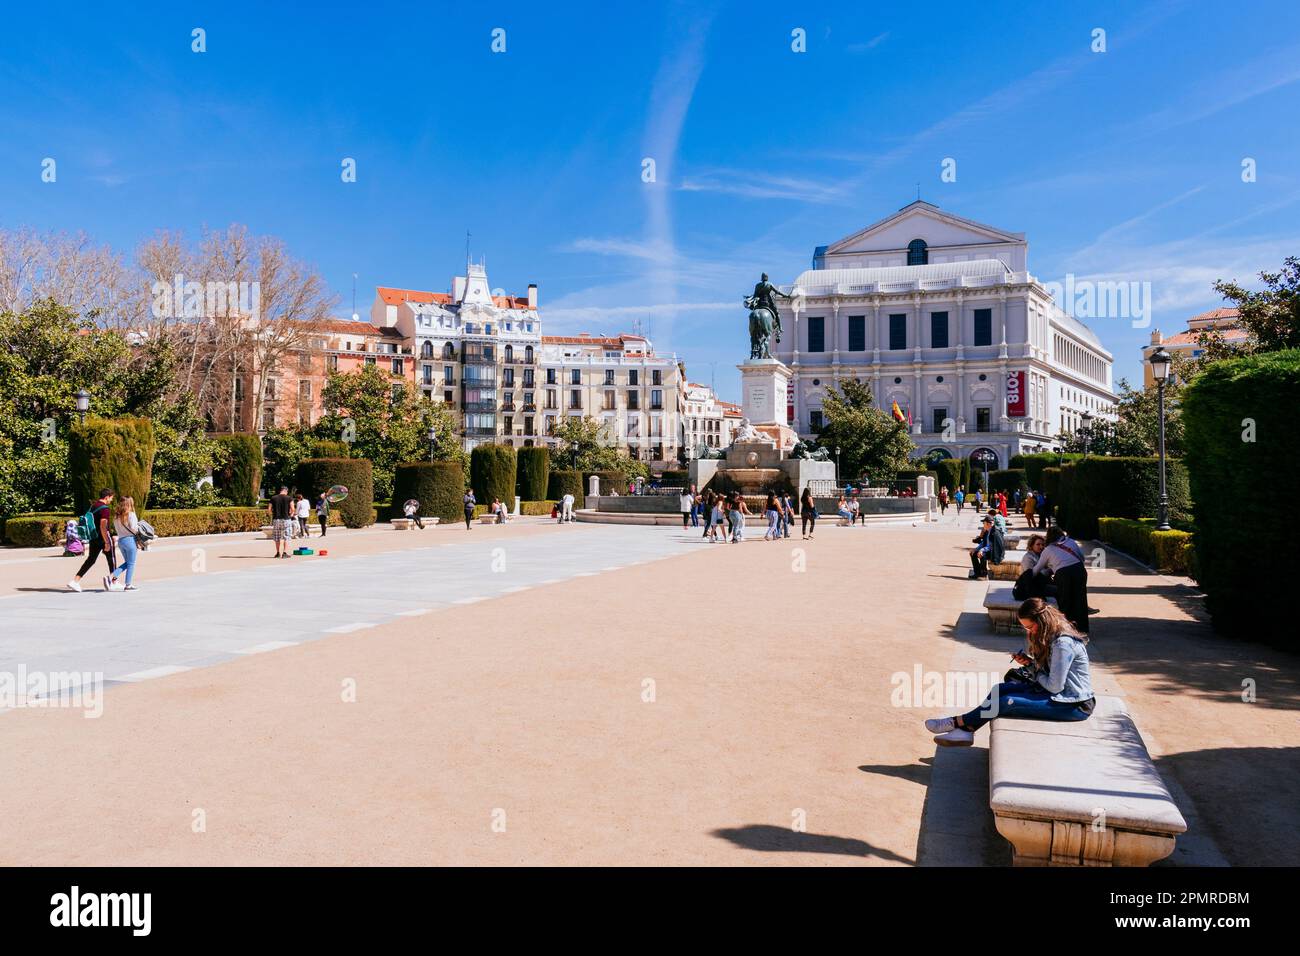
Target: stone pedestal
(763, 387)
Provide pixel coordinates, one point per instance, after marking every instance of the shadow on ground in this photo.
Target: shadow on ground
(771, 839)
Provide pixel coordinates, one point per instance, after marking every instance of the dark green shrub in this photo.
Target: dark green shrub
(1239, 441)
(1096, 487)
(1051, 484)
(328, 448)
(536, 507)
(1008, 481)
(1034, 463)
(316, 475)
(675, 479)
(38, 531)
(110, 453)
(949, 471)
(492, 473)
(239, 480)
(610, 481)
(439, 487)
(534, 468)
(566, 482)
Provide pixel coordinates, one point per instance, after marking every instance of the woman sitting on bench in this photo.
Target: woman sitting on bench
(1052, 683)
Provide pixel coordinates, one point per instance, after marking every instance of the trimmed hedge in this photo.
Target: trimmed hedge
(533, 466)
(565, 482)
(536, 507)
(112, 453)
(492, 470)
(609, 481)
(239, 480)
(1051, 485)
(1118, 488)
(439, 486)
(328, 448)
(675, 478)
(45, 530)
(1008, 480)
(949, 471)
(1238, 431)
(1036, 462)
(1171, 551)
(316, 475)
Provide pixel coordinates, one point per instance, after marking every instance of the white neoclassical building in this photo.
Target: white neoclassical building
(941, 317)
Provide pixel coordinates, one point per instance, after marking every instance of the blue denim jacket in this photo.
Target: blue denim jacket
(1067, 677)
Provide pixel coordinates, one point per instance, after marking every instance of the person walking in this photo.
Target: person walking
(303, 509)
(469, 503)
(1054, 681)
(126, 525)
(686, 501)
(1031, 503)
(280, 508)
(696, 504)
(566, 507)
(773, 515)
(1063, 559)
(717, 517)
(101, 539)
(323, 513)
(959, 497)
(943, 500)
(787, 514)
(707, 507)
(808, 511)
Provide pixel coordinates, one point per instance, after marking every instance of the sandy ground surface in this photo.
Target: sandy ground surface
(730, 705)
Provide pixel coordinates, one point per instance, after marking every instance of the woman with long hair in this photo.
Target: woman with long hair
(808, 510)
(1052, 683)
(773, 516)
(125, 525)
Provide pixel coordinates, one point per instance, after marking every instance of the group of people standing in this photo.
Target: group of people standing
(291, 517)
(723, 515)
(1034, 505)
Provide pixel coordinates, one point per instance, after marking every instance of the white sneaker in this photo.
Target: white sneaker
(117, 586)
(74, 586)
(956, 738)
(940, 725)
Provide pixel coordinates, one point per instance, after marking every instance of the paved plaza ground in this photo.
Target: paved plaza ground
(584, 694)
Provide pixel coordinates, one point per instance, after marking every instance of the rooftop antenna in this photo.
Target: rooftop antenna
(918, 192)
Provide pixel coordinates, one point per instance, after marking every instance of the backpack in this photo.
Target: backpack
(87, 527)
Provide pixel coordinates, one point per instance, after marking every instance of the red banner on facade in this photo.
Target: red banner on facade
(789, 401)
(1016, 399)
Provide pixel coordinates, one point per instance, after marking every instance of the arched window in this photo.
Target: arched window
(426, 350)
(528, 354)
(448, 350)
(917, 254)
(510, 353)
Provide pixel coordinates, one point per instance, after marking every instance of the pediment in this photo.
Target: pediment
(920, 220)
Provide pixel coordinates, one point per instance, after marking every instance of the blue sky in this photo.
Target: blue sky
(1118, 165)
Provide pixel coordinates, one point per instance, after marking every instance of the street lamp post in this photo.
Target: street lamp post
(83, 403)
(1087, 432)
(837, 466)
(1160, 361)
(432, 436)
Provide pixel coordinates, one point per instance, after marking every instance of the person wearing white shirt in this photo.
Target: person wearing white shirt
(1062, 558)
(125, 526)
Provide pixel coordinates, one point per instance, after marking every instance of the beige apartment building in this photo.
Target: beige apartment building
(620, 380)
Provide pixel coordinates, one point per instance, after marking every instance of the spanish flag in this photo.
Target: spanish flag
(898, 413)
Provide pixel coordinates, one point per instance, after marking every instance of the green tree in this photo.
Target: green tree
(1271, 317)
(387, 422)
(1136, 431)
(586, 446)
(870, 441)
(47, 354)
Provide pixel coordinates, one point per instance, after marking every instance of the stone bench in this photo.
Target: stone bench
(1008, 569)
(406, 524)
(1002, 608)
(486, 518)
(1080, 794)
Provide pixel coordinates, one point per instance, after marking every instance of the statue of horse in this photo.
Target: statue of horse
(764, 330)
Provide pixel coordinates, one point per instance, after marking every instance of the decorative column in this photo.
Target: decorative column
(835, 333)
(917, 412)
(875, 328)
(916, 327)
(1002, 325)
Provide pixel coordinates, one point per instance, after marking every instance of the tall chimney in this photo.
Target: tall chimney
(532, 295)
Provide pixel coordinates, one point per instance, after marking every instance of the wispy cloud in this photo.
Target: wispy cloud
(761, 186)
(867, 46)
